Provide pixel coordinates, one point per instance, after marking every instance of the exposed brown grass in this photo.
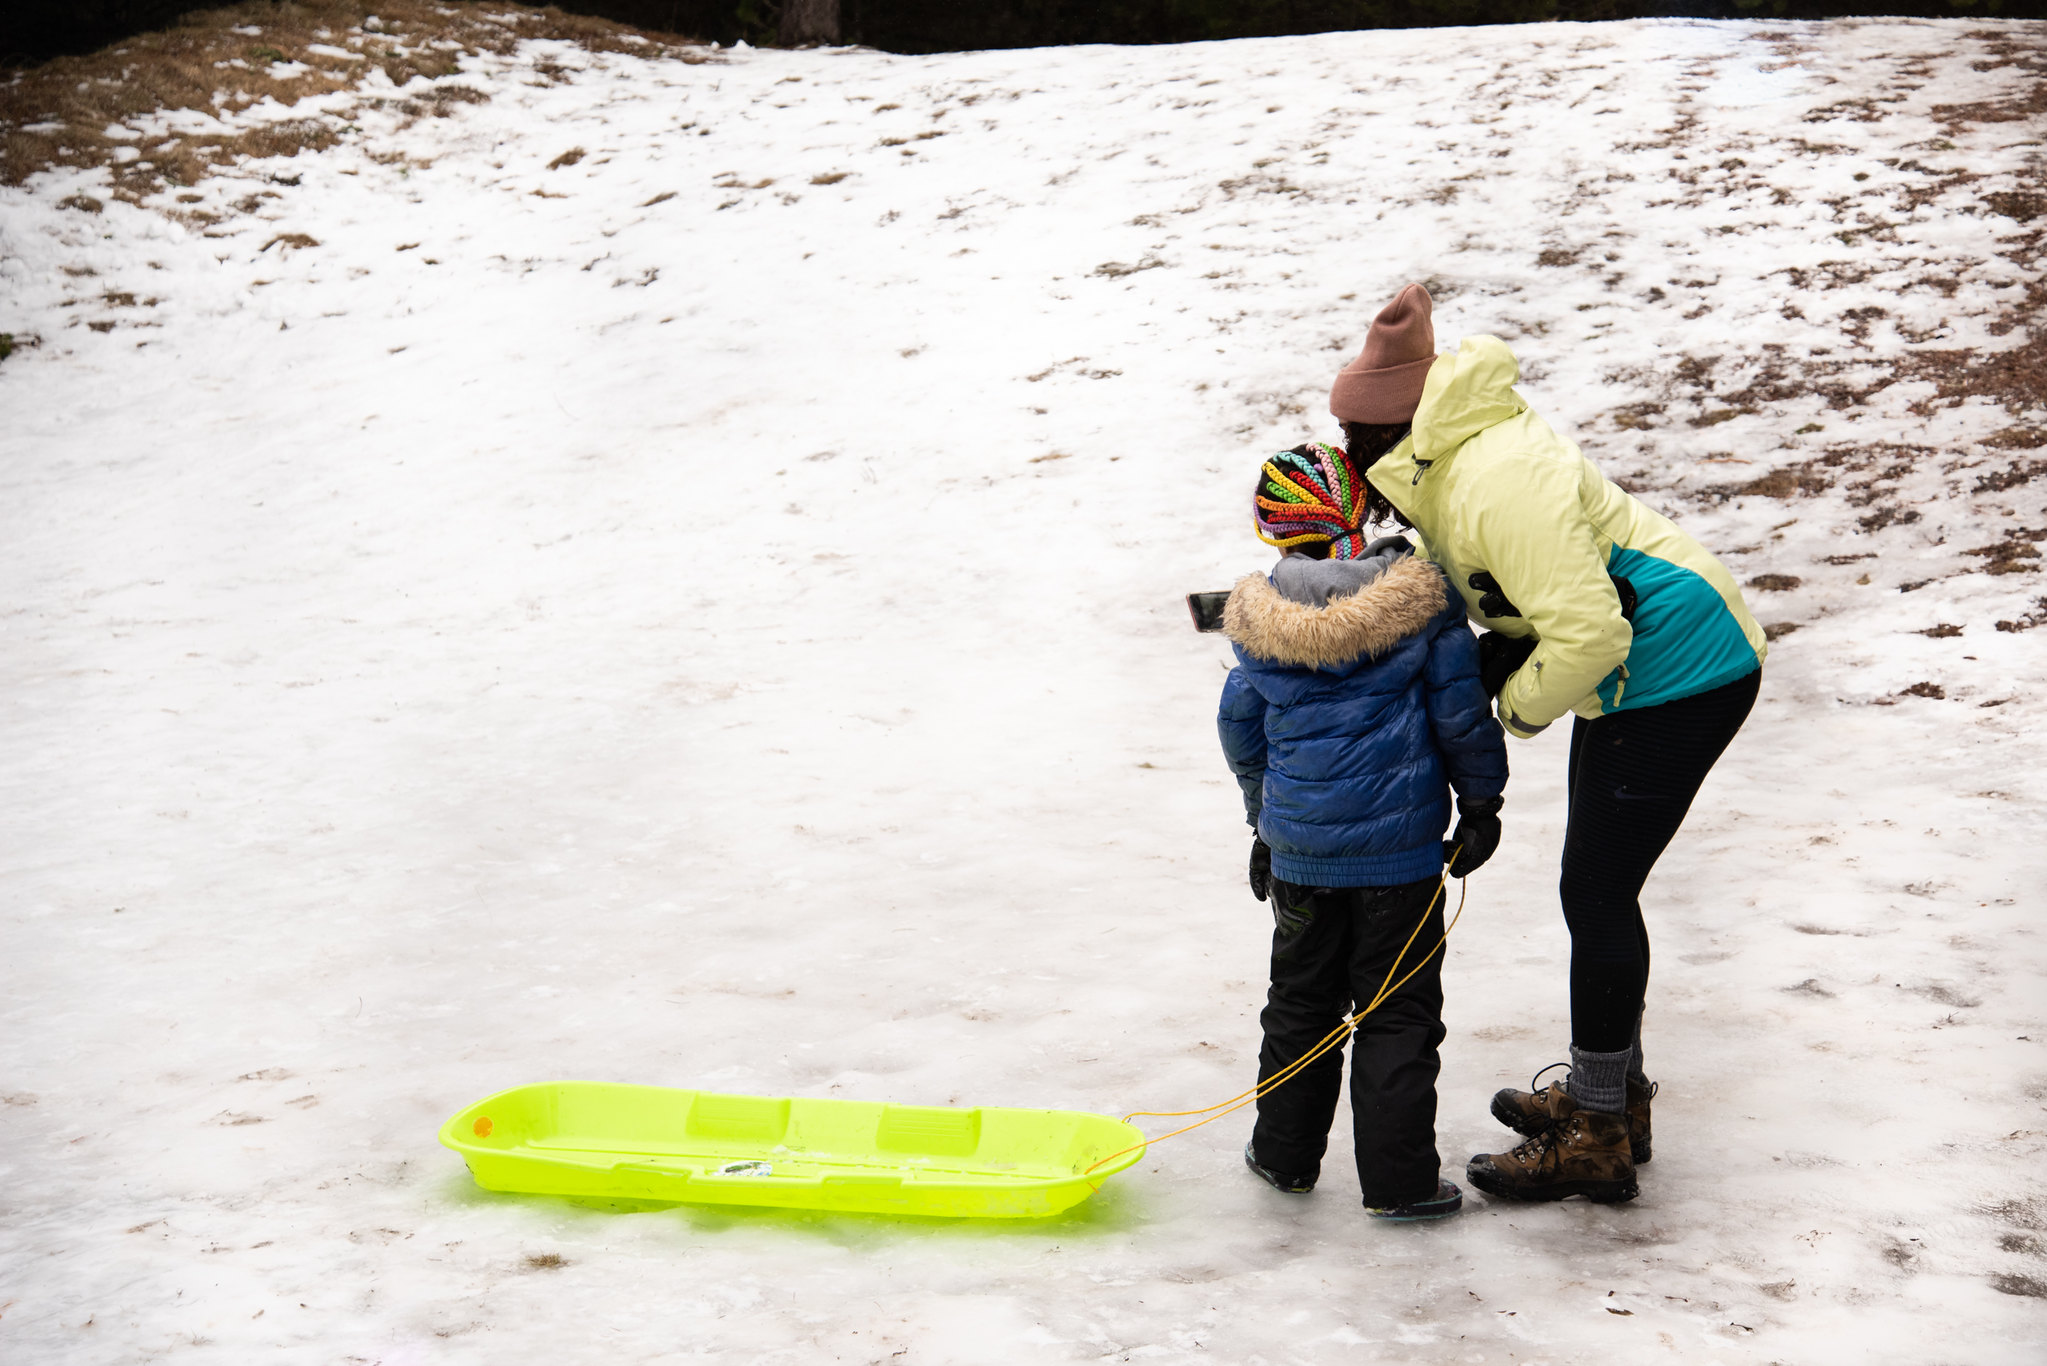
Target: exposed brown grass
(1792, 481)
(2013, 377)
(1872, 478)
(58, 113)
(2028, 620)
(2015, 553)
(2007, 48)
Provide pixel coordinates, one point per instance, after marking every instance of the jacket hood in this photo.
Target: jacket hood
(1317, 582)
(1399, 603)
(1468, 390)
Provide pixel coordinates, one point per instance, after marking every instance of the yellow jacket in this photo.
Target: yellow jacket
(1533, 537)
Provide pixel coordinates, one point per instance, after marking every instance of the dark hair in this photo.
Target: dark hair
(1365, 442)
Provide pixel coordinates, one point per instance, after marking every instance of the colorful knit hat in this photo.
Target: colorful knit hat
(1311, 493)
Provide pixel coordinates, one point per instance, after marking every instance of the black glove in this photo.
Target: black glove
(1499, 655)
(1261, 868)
(1476, 837)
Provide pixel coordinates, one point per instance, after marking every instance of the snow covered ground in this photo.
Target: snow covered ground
(671, 573)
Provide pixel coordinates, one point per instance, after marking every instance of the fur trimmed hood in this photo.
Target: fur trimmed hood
(1398, 604)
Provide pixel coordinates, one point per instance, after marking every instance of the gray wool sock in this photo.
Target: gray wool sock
(1636, 1076)
(1599, 1081)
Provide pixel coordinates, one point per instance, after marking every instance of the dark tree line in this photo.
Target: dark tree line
(949, 25)
(34, 29)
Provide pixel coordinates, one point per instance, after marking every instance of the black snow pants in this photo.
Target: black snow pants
(1337, 960)
(1633, 776)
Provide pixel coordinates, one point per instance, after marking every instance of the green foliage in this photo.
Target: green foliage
(757, 21)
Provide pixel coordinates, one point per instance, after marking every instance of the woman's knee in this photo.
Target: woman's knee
(1603, 926)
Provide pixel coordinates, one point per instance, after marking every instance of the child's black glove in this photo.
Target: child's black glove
(1261, 868)
(1476, 837)
(1499, 655)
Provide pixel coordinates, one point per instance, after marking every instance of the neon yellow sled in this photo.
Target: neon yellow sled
(600, 1139)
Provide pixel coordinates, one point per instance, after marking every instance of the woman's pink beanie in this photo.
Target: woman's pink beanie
(1384, 384)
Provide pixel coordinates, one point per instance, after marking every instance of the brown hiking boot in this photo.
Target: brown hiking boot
(1575, 1152)
(1527, 1111)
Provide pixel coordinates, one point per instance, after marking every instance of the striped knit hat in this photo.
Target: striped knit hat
(1311, 493)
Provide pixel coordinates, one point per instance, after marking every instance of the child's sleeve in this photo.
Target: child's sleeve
(1460, 715)
(1241, 722)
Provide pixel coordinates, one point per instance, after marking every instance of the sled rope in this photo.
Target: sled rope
(1329, 1041)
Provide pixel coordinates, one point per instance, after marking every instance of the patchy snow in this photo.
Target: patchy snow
(705, 611)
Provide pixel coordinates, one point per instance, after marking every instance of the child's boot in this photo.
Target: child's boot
(1574, 1152)
(1279, 1181)
(1446, 1201)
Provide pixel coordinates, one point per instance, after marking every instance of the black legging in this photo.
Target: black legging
(1632, 779)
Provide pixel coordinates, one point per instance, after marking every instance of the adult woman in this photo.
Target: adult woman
(1596, 606)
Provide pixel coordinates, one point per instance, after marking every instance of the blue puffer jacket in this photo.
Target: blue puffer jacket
(1343, 721)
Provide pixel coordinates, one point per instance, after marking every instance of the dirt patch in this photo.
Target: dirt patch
(2011, 476)
(2025, 50)
(1773, 377)
(1637, 416)
(2021, 1213)
(70, 111)
(2023, 205)
(1889, 515)
(2017, 553)
(2028, 620)
(2016, 378)
(1878, 348)
(1792, 481)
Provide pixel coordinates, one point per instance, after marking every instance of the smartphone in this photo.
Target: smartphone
(1207, 610)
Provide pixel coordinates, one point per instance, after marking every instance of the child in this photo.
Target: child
(1355, 707)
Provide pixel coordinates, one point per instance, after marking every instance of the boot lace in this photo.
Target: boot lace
(1535, 1084)
(1541, 1149)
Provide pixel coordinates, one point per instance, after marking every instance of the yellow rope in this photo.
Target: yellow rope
(1329, 1041)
